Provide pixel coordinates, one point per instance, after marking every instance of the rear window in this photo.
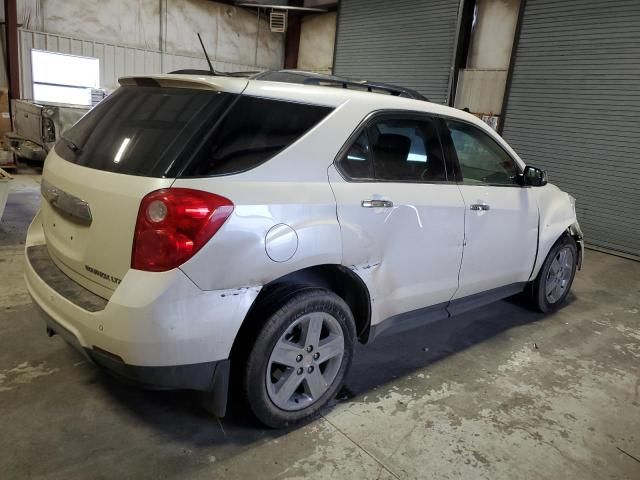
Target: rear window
(142, 130)
(175, 132)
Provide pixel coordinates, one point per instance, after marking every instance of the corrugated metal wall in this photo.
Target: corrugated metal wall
(573, 109)
(403, 42)
(115, 60)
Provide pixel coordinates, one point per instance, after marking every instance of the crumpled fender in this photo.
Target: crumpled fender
(557, 215)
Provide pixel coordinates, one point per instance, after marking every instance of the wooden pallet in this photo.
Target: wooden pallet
(9, 162)
(9, 167)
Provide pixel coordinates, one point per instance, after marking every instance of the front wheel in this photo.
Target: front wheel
(554, 281)
(300, 358)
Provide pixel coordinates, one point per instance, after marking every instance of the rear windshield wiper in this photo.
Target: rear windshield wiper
(70, 145)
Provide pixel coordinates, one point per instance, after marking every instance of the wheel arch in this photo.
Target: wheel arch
(336, 278)
(557, 217)
(572, 230)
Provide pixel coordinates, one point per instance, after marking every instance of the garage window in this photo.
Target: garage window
(62, 78)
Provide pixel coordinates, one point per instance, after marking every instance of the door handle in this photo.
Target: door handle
(480, 207)
(377, 203)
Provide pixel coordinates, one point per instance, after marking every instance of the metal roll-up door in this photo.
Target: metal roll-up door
(573, 109)
(404, 42)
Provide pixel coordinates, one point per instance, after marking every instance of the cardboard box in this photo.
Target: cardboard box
(5, 123)
(5, 117)
(4, 100)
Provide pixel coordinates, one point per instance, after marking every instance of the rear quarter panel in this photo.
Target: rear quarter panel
(291, 189)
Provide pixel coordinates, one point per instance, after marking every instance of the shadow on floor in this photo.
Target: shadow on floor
(179, 416)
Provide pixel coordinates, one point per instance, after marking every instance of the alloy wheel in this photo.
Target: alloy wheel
(305, 361)
(559, 275)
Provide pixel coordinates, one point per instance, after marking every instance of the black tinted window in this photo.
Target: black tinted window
(356, 162)
(407, 150)
(142, 130)
(255, 130)
(481, 159)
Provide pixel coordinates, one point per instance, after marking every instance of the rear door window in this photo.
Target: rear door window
(142, 130)
(407, 150)
(255, 130)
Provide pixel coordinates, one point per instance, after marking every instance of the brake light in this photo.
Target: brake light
(173, 224)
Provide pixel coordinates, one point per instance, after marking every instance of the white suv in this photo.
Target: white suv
(195, 228)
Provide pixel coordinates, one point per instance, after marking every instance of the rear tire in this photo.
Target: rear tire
(300, 358)
(549, 290)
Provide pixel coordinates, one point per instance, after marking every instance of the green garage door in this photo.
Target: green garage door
(574, 109)
(404, 42)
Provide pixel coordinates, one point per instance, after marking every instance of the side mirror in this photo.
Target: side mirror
(534, 177)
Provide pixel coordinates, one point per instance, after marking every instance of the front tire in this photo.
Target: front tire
(300, 358)
(552, 285)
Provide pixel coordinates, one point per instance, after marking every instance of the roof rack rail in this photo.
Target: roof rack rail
(368, 86)
(312, 78)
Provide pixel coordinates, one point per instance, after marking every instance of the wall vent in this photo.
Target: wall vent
(278, 21)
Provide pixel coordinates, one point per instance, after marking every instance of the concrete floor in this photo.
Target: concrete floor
(500, 393)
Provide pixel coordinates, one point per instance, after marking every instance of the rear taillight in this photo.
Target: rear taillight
(173, 224)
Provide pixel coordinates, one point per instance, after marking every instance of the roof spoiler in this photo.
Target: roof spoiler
(195, 71)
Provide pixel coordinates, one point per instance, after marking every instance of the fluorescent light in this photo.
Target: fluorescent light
(123, 147)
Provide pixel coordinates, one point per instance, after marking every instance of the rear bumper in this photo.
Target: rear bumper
(199, 376)
(151, 320)
(157, 329)
(210, 376)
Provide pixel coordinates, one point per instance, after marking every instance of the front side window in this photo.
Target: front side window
(481, 159)
(407, 150)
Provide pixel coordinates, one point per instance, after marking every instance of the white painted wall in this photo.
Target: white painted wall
(492, 37)
(317, 41)
(231, 34)
(481, 85)
(131, 22)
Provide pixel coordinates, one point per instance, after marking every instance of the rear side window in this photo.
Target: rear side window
(255, 130)
(356, 163)
(142, 130)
